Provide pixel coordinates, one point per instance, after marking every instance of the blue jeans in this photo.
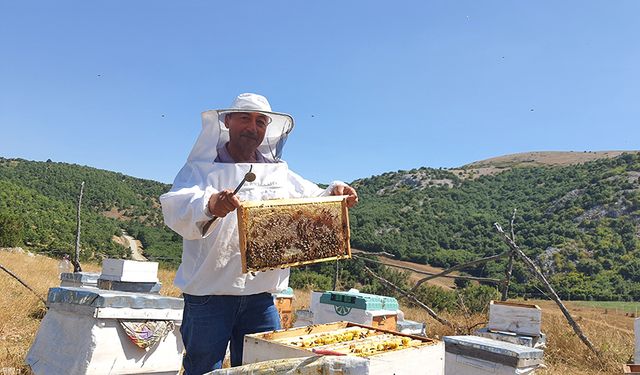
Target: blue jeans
(210, 322)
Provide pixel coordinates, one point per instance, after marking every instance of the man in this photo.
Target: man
(221, 303)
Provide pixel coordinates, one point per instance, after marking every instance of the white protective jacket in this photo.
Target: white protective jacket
(211, 265)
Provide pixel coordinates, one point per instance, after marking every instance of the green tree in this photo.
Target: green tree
(11, 230)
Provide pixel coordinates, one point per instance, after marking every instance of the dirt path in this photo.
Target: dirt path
(413, 276)
(136, 253)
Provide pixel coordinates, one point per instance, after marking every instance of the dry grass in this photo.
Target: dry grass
(21, 312)
(502, 163)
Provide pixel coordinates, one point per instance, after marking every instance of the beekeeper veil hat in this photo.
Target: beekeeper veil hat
(215, 134)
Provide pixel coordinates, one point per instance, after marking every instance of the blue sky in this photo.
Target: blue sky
(374, 86)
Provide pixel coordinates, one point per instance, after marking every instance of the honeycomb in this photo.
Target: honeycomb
(286, 233)
(355, 341)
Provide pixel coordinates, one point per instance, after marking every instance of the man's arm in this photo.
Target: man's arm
(186, 206)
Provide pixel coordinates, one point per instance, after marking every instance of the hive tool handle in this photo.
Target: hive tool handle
(247, 177)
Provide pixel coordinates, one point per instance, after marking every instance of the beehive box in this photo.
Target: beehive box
(292, 232)
(388, 352)
(81, 334)
(284, 304)
(521, 318)
(631, 369)
(472, 355)
(356, 307)
(129, 271)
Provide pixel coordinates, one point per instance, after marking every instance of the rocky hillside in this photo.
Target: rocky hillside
(581, 221)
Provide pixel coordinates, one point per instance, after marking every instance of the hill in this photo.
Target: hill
(38, 204)
(499, 164)
(579, 218)
(581, 222)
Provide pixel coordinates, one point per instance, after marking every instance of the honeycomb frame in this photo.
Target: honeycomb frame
(282, 233)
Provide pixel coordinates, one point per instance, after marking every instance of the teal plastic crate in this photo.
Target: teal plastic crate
(357, 300)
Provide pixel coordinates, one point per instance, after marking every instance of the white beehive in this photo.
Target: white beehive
(129, 271)
(524, 319)
(81, 334)
(420, 355)
(473, 355)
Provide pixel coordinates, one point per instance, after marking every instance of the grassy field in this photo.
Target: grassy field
(609, 329)
(613, 306)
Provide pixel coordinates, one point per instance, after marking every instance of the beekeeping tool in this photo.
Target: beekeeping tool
(249, 176)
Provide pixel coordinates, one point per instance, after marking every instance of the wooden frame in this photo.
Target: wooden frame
(275, 221)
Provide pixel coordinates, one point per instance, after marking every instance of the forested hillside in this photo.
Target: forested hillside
(580, 222)
(38, 204)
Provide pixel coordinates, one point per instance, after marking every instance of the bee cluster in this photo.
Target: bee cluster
(358, 341)
(286, 235)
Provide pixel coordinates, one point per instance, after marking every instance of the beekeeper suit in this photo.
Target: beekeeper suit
(211, 265)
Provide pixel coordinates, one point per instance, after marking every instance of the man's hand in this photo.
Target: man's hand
(352, 196)
(222, 203)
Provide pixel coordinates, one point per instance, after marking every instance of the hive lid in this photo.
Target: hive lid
(80, 277)
(363, 301)
(287, 293)
(482, 347)
(108, 298)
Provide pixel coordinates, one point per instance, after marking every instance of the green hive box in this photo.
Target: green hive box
(357, 300)
(353, 306)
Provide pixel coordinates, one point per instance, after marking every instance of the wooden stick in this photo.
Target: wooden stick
(76, 259)
(507, 278)
(463, 277)
(23, 283)
(414, 299)
(532, 266)
(509, 271)
(459, 266)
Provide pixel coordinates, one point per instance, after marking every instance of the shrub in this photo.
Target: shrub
(477, 297)
(11, 231)
(309, 280)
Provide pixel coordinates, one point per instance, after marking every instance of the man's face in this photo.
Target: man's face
(246, 129)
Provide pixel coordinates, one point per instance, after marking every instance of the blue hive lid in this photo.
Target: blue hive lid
(362, 301)
(287, 293)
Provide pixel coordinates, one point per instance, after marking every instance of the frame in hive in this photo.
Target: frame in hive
(291, 232)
